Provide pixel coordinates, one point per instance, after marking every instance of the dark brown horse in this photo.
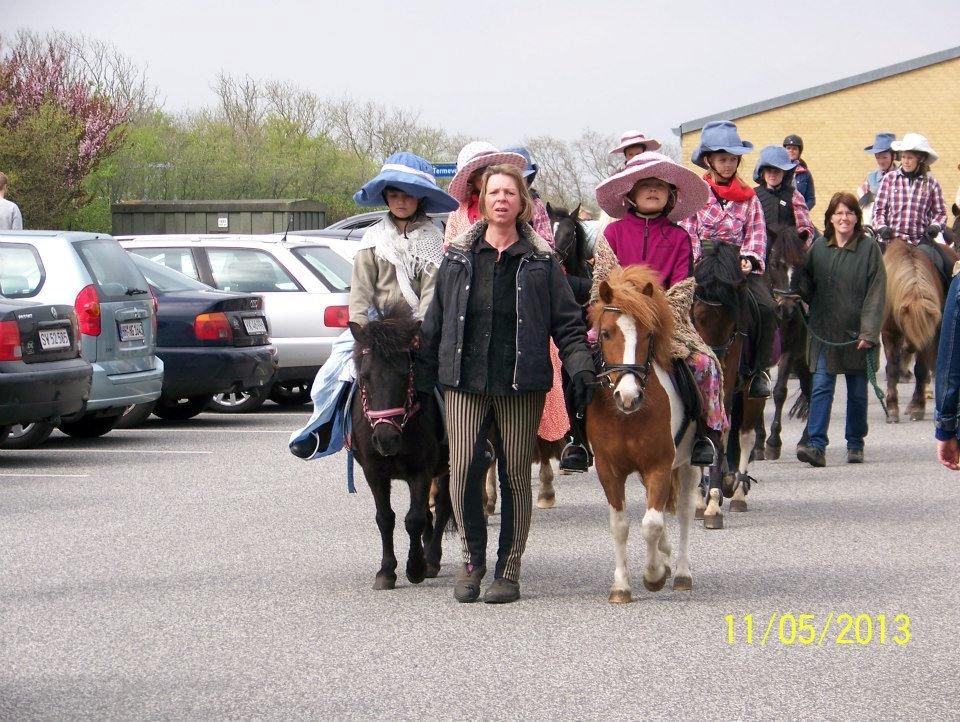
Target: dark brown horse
(397, 434)
(717, 313)
(914, 306)
(636, 423)
(786, 253)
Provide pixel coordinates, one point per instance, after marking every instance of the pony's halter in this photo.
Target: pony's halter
(639, 371)
(396, 417)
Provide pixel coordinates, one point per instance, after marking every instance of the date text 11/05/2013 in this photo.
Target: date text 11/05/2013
(789, 629)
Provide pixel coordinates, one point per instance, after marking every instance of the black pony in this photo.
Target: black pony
(570, 240)
(398, 434)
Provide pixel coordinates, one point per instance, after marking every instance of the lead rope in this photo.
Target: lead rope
(873, 360)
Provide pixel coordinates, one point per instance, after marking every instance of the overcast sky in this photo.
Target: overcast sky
(507, 70)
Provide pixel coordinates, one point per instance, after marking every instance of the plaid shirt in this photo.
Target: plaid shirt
(802, 217)
(738, 223)
(909, 208)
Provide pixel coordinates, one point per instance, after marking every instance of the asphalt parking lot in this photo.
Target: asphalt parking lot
(198, 570)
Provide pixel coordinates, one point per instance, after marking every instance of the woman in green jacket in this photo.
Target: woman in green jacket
(844, 282)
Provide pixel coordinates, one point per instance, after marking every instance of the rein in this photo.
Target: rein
(721, 350)
(396, 417)
(639, 371)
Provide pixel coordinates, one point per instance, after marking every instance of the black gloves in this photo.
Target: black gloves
(933, 230)
(885, 233)
(583, 384)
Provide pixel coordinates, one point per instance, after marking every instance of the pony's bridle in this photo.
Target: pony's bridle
(639, 371)
(724, 348)
(396, 417)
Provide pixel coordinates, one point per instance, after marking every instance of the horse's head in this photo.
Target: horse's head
(716, 301)
(634, 325)
(570, 240)
(786, 252)
(383, 357)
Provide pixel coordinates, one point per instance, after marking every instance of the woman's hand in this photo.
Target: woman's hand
(745, 266)
(864, 345)
(948, 454)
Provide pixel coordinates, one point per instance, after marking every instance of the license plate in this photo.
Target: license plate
(255, 325)
(132, 331)
(50, 340)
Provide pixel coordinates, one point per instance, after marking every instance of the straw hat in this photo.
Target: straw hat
(692, 192)
(473, 157)
(635, 137)
(411, 174)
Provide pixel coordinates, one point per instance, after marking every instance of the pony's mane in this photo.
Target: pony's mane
(718, 276)
(389, 334)
(785, 242)
(651, 311)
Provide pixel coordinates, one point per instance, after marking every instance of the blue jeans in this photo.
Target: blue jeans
(821, 403)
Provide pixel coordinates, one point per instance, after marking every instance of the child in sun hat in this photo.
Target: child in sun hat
(397, 261)
(646, 199)
(733, 215)
(782, 204)
(632, 142)
(909, 199)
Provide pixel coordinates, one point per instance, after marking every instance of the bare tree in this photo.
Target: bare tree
(301, 109)
(593, 150)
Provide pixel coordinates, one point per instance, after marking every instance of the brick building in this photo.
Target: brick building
(837, 120)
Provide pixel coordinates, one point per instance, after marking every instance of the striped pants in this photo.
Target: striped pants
(469, 418)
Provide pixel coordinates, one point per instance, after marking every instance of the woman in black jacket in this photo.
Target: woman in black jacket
(500, 296)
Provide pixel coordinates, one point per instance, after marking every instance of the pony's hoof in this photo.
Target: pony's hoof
(893, 417)
(431, 571)
(620, 596)
(916, 415)
(682, 583)
(760, 454)
(698, 513)
(546, 501)
(385, 581)
(713, 521)
(772, 453)
(728, 485)
(490, 509)
(738, 505)
(657, 585)
(416, 575)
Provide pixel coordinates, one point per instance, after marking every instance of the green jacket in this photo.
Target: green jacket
(846, 289)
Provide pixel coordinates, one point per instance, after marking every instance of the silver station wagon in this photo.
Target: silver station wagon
(116, 319)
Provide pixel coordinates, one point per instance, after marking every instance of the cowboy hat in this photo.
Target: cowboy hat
(692, 192)
(531, 168)
(881, 143)
(635, 137)
(474, 156)
(773, 156)
(411, 174)
(719, 136)
(916, 143)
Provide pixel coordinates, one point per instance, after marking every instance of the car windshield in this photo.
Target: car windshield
(164, 279)
(333, 270)
(112, 269)
(21, 273)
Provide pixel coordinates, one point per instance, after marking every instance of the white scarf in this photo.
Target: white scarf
(418, 251)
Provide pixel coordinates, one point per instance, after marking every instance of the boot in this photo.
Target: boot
(759, 386)
(811, 455)
(467, 588)
(704, 449)
(574, 458)
(502, 591)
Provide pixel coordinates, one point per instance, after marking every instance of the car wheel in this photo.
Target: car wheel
(181, 409)
(89, 427)
(27, 436)
(290, 393)
(135, 416)
(237, 402)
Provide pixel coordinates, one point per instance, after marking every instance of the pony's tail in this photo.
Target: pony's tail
(912, 297)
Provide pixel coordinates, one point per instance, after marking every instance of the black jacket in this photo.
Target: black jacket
(545, 308)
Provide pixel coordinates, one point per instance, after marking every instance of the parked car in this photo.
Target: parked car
(352, 228)
(116, 320)
(210, 342)
(42, 376)
(304, 284)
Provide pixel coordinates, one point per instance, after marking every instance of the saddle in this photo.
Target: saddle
(686, 386)
(938, 259)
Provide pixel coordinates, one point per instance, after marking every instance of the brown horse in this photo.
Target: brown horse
(914, 306)
(633, 423)
(717, 310)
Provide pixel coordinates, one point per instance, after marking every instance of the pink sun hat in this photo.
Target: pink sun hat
(692, 192)
(633, 137)
(474, 156)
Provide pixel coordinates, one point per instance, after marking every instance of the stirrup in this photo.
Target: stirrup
(713, 449)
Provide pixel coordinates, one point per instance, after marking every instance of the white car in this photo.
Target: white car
(305, 284)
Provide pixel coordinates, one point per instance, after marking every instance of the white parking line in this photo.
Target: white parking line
(244, 431)
(125, 451)
(49, 476)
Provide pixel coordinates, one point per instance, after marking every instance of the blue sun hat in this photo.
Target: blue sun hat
(773, 156)
(411, 174)
(719, 136)
(531, 170)
(881, 143)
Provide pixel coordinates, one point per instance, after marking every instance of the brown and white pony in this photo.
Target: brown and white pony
(912, 314)
(633, 421)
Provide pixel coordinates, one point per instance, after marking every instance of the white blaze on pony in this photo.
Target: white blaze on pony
(628, 390)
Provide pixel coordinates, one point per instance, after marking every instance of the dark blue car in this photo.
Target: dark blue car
(210, 341)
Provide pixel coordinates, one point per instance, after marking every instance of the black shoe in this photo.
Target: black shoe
(306, 448)
(502, 591)
(704, 452)
(574, 458)
(759, 386)
(467, 588)
(812, 455)
(854, 456)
